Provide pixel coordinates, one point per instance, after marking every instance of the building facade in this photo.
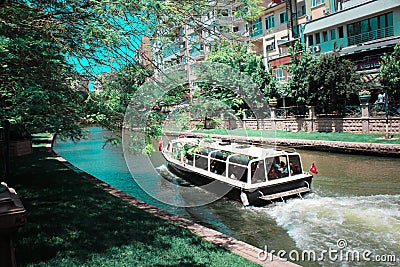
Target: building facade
(362, 30)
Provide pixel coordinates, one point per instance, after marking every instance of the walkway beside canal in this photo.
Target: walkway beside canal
(71, 222)
(321, 145)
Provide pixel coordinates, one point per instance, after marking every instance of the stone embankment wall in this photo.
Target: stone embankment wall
(359, 125)
(363, 124)
(329, 146)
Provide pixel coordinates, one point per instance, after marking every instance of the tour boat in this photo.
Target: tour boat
(256, 175)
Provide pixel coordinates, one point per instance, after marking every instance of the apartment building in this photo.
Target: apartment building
(275, 30)
(190, 42)
(363, 30)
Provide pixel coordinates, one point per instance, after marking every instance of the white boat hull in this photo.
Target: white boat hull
(255, 197)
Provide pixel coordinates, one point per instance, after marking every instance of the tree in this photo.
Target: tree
(36, 92)
(327, 80)
(389, 73)
(301, 64)
(239, 57)
(107, 107)
(333, 79)
(38, 37)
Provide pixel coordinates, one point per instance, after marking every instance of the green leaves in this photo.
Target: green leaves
(327, 79)
(239, 57)
(35, 80)
(108, 106)
(390, 71)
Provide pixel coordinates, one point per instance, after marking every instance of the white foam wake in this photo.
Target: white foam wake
(365, 222)
(169, 176)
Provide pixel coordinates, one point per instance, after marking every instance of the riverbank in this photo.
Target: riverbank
(72, 222)
(364, 148)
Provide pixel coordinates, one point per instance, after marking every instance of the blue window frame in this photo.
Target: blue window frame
(317, 2)
(283, 18)
(270, 22)
(256, 28)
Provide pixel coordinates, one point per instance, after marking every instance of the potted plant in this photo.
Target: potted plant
(364, 96)
(273, 102)
(18, 141)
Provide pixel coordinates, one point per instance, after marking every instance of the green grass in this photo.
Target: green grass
(328, 136)
(72, 222)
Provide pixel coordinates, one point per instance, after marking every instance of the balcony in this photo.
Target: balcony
(256, 32)
(370, 36)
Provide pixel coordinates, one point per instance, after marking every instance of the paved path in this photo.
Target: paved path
(243, 249)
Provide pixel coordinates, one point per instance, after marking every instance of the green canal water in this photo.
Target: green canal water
(353, 213)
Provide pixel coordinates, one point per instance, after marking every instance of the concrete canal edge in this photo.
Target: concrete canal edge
(379, 149)
(238, 247)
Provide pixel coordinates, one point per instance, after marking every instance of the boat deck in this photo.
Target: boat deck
(297, 191)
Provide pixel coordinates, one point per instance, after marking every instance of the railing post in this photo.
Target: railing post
(273, 113)
(365, 117)
(312, 117)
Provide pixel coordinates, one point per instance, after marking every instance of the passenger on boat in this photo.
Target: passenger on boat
(213, 167)
(273, 173)
(282, 168)
(294, 169)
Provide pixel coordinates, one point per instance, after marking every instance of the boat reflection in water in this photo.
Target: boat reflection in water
(256, 175)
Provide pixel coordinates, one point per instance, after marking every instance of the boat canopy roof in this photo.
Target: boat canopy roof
(234, 148)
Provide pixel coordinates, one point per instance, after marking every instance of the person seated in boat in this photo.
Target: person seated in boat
(232, 172)
(282, 169)
(185, 160)
(273, 173)
(213, 167)
(294, 169)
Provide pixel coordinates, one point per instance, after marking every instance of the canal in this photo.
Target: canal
(354, 207)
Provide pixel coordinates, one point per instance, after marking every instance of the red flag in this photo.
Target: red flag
(313, 168)
(160, 145)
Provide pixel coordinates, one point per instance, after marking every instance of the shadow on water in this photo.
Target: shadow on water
(356, 198)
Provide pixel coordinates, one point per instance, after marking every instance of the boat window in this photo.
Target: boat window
(295, 164)
(237, 172)
(258, 172)
(272, 169)
(218, 162)
(238, 167)
(217, 166)
(201, 162)
(242, 171)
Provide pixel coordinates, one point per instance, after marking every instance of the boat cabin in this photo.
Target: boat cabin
(236, 162)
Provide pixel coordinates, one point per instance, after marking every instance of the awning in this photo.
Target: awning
(350, 14)
(371, 78)
(377, 44)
